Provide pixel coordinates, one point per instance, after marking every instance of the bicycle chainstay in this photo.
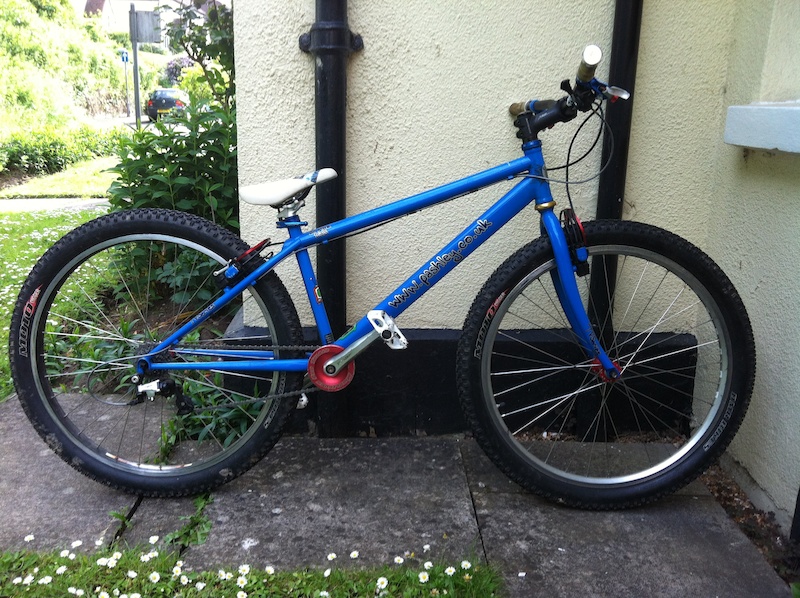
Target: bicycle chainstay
(279, 396)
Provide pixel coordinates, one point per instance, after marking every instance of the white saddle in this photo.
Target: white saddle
(275, 193)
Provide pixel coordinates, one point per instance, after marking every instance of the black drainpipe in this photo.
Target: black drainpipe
(611, 187)
(622, 73)
(331, 42)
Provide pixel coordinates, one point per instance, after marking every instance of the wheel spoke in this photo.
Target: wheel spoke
(115, 291)
(567, 426)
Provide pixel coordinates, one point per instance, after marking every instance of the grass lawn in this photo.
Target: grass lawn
(24, 237)
(84, 179)
(153, 572)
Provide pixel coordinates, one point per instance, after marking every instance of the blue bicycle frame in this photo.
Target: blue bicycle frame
(532, 188)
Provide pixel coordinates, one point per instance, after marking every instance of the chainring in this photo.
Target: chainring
(322, 379)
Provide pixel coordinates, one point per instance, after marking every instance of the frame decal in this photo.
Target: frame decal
(429, 275)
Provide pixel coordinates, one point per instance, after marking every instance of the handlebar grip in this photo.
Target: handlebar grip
(592, 55)
(518, 108)
(532, 105)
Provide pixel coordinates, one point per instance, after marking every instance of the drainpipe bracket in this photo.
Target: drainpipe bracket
(332, 37)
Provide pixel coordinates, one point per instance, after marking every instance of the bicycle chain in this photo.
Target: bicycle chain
(279, 396)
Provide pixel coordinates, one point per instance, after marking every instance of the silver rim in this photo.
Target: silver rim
(98, 318)
(668, 337)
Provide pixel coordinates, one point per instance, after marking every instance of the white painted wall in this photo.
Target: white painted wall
(427, 104)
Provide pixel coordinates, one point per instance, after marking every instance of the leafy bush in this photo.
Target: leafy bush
(54, 61)
(193, 81)
(50, 149)
(172, 72)
(208, 41)
(187, 162)
(152, 48)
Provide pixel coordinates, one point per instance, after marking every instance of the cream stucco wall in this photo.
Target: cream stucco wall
(427, 103)
(756, 219)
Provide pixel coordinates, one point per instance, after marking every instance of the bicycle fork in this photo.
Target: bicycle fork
(563, 277)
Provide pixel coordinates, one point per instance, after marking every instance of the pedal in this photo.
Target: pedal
(385, 326)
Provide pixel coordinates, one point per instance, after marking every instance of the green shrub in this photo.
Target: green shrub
(186, 162)
(54, 62)
(193, 81)
(52, 149)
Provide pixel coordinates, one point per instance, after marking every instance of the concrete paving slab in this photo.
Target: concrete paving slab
(156, 517)
(311, 497)
(383, 497)
(43, 496)
(484, 476)
(681, 546)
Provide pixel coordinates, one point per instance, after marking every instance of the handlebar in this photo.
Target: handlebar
(532, 106)
(586, 88)
(536, 115)
(592, 55)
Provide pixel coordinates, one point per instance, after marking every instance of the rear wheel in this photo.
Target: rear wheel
(665, 314)
(109, 292)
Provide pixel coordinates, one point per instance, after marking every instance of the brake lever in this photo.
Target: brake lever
(609, 92)
(614, 93)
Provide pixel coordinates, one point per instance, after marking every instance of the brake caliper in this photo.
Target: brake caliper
(239, 267)
(576, 241)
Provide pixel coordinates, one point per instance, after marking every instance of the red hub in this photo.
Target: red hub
(600, 371)
(322, 379)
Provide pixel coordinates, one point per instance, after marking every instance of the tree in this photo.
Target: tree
(204, 30)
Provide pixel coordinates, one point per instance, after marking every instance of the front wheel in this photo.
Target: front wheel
(108, 293)
(666, 315)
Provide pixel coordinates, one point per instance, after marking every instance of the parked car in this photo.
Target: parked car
(166, 101)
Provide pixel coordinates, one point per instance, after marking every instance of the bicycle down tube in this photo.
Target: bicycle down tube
(533, 187)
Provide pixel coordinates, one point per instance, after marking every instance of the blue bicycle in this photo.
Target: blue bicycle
(602, 365)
